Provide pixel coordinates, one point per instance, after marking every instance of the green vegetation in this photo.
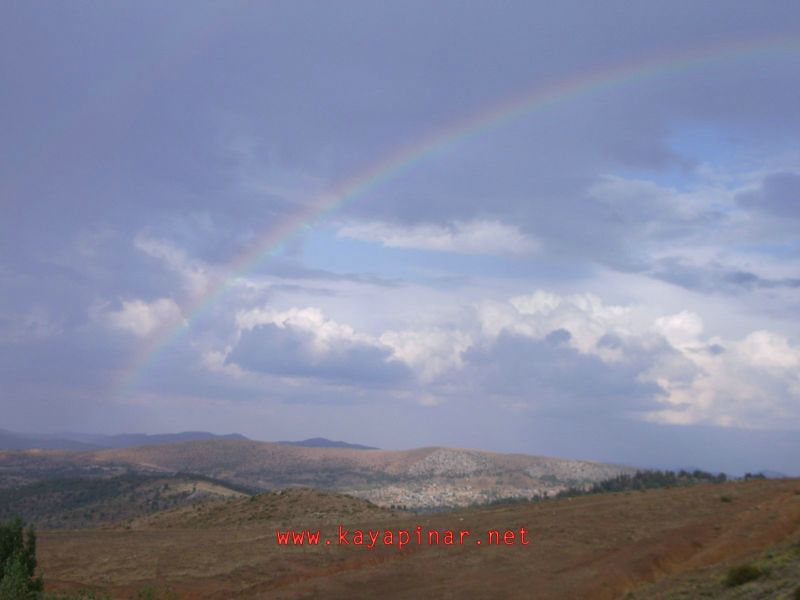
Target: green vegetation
(508, 501)
(75, 502)
(150, 593)
(18, 561)
(647, 480)
(741, 574)
(640, 481)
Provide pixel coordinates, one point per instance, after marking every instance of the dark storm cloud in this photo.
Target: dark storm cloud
(543, 374)
(290, 352)
(202, 112)
(62, 378)
(558, 337)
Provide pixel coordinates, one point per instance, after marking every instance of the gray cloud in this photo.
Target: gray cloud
(555, 379)
(715, 277)
(219, 127)
(292, 269)
(290, 351)
(779, 195)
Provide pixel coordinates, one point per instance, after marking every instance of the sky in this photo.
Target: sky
(566, 229)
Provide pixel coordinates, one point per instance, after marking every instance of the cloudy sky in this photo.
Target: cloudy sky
(555, 228)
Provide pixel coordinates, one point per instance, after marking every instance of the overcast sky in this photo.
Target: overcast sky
(613, 274)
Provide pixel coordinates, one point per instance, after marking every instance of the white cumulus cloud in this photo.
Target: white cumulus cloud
(325, 332)
(143, 318)
(195, 275)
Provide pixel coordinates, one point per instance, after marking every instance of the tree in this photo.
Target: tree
(18, 561)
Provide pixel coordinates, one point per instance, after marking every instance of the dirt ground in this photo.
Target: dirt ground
(600, 546)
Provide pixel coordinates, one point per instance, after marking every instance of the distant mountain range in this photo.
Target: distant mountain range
(131, 440)
(10, 440)
(319, 442)
(773, 474)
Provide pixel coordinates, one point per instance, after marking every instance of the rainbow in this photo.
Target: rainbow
(407, 156)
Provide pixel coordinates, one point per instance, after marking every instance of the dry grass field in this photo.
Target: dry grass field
(602, 546)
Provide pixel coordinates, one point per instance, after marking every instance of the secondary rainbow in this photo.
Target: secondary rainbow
(406, 156)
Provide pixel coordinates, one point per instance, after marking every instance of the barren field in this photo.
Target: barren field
(602, 546)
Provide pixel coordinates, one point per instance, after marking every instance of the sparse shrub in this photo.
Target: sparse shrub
(726, 498)
(742, 574)
(797, 593)
(151, 593)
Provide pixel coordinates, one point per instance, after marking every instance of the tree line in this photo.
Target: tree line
(646, 480)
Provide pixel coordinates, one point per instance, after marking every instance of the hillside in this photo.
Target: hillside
(280, 509)
(771, 573)
(418, 478)
(600, 546)
(77, 502)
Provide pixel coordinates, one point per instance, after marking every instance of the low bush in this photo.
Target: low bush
(742, 574)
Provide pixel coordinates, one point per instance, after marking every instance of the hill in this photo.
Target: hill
(425, 478)
(77, 502)
(771, 573)
(597, 546)
(281, 508)
(10, 440)
(320, 442)
(130, 440)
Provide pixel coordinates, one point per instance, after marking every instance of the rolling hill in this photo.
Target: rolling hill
(10, 440)
(418, 478)
(280, 508)
(320, 442)
(80, 502)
